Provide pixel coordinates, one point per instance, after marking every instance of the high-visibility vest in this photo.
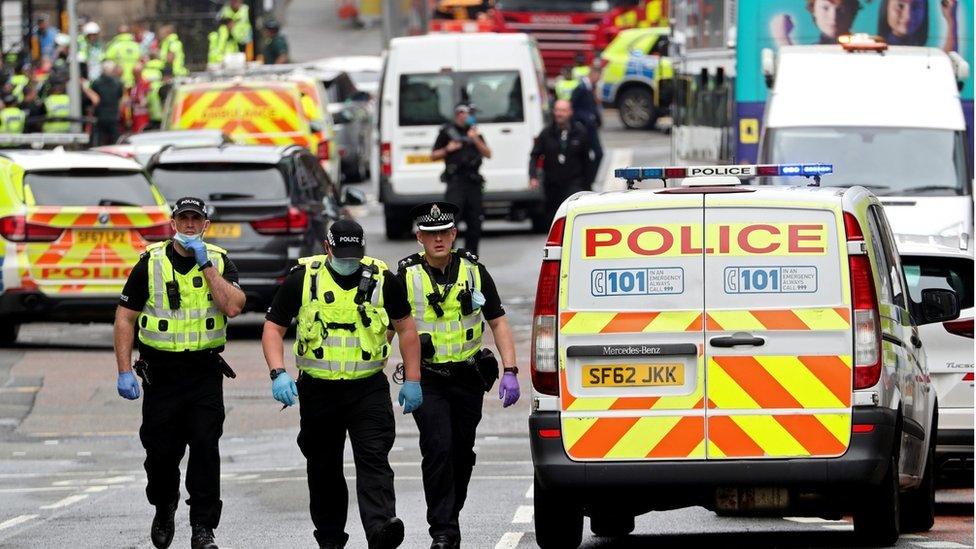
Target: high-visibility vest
(580, 71)
(197, 324)
(456, 336)
(564, 88)
(155, 102)
(242, 23)
(58, 106)
(12, 120)
(125, 51)
(172, 44)
(19, 82)
(337, 338)
(219, 45)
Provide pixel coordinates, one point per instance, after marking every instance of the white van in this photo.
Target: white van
(424, 77)
(889, 118)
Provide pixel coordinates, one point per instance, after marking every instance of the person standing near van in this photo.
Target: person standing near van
(586, 111)
(462, 148)
(564, 147)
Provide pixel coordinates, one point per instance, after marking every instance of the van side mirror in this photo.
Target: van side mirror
(316, 126)
(938, 305)
(356, 197)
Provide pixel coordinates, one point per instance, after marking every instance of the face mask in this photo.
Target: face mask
(344, 265)
(471, 121)
(185, 239)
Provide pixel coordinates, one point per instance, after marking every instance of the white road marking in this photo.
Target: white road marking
(70, 500)
(83, 454)
(911, 536)
(95, 489)
(510, 540)
(15, 521)
(812, 520)
(618, 158)
(530, 493)
(924, 544)
(35, 489)
(18, 454)
(839, 527)
(53, 442)
(523, 515)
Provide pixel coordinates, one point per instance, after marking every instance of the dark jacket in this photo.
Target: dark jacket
(585, 109)
(464, 162)
(575, 150)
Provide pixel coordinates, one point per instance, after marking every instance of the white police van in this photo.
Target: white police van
(749, 349)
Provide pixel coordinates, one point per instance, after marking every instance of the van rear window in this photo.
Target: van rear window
(89, 187)
(941, 273)
(429, 99)
(220, 181)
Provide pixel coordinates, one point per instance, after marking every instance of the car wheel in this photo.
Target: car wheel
(611, 525)
(8, 332)
(918, 506)
(558, 523)
(398, 224)
(636, 106)
(877, 519)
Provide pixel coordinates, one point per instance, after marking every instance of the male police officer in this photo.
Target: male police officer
(450, 293)
(181, 292)
(344, 303)
(462, 148)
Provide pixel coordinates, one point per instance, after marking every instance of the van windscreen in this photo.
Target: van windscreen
(429, 99)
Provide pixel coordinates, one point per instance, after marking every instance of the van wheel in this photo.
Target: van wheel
(636, 106)
(612, 524)
(558, 523)
(398, 224)
(877, 519)
(918, 506)
(8, 332)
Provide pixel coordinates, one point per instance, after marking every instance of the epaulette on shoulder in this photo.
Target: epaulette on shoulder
(296, 268)
(467, 254)
(409, 261)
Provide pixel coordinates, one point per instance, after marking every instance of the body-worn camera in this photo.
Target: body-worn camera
(173, 294)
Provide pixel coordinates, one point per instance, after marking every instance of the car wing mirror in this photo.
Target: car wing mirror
(939, 305)
(356, 197)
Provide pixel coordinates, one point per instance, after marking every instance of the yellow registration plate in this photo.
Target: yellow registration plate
(101, 237)
(419, 159)
(634, 375)
(223, 230)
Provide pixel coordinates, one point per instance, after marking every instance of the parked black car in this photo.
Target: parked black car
(270, 205)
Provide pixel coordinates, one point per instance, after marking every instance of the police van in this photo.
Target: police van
(748, 349)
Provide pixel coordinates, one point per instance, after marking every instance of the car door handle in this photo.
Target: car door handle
(738, 338)
(506, 130)
(916, 341)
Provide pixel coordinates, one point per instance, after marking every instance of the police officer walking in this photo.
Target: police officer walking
(345, 302)
(564, 147)
(450, 295)
(462, 148)
(180, 294)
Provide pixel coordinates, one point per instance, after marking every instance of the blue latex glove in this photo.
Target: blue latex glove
(508, 389)
(199, 251)
(284, 390)
(411, 397)
(128, 385)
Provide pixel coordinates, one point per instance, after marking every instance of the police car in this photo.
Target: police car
(749, 349)
(72, 225)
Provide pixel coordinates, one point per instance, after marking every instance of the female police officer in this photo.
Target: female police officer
(344, 303)
(450, 293)
(181, 292)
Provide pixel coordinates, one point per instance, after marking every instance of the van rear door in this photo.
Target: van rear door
(778, 338)
(630, 338)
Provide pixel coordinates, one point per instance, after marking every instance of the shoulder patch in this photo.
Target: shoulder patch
(467, 254)
(409, 261)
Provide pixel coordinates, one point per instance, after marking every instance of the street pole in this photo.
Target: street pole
(74, 73)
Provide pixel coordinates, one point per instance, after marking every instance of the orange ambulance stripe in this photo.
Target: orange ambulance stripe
(833, 373)
(631, 322)
(844, 312)
(223, 98)
(602, 436)
(191, 100)
(811, 434)
(634, 403)
(282, 125)
(285, 97)
(711, 323)
(567, 397)
(565, 318)
(755, 380)
(780, 320)
(731, 439)
(695, 326)
(254, 98)
(684, 437)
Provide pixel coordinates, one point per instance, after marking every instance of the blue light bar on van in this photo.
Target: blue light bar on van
(737, 170)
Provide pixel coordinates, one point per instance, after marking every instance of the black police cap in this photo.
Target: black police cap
(434, 216)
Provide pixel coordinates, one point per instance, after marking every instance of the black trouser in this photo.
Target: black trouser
(329, 409)
(184, 405)
(468, 195)
(447, 421)
(557, 191)
(106, 132)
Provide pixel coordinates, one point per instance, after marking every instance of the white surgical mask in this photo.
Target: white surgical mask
(344, 265)
(185, 239)
(477, 299)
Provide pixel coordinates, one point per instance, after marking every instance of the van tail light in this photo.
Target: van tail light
(961, 327)
(867, 320)
(386, 159)
(15, 228)
(544, 364)
(294, 222)
(968, 377)
(156, 233)
(323, 150)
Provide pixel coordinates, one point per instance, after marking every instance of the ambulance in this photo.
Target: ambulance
(72, 225)
(748, 349)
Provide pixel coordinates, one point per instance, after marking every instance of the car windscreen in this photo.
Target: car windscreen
(583, 6)
(429, 99)
(220, 181)
(89, 187)
(889, 161)
(942, 273)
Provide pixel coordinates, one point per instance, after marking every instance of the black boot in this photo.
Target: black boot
(163, 525)
(202, 538)
(444, 541)
(388, 536)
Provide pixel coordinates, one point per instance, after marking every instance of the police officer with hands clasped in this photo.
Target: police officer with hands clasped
(462, 148)
(344, 302)
(451, 294)
(179, 294)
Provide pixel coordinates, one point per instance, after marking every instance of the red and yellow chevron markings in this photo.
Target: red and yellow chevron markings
(812, 318)
(586, 322)
(623, 438)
